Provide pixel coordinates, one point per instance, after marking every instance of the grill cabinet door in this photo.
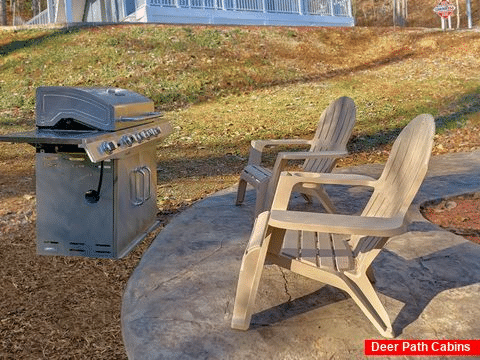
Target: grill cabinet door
(66, 223)
(135, 197)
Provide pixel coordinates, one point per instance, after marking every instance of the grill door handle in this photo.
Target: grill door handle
(147, 174)
(140, 190)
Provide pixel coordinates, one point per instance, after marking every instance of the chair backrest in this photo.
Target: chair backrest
(405, 169)
(401, 178)
(333, 132)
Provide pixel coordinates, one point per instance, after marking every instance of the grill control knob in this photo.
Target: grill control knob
(107, 147)
(139, 137)
(125, 140)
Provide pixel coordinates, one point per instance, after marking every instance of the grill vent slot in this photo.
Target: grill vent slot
(104, 249)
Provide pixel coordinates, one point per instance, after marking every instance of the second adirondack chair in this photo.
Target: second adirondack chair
(332, 248)
(327, 146)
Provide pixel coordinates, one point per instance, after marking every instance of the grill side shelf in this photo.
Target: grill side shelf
(54, 137)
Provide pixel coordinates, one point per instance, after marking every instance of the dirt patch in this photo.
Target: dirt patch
(460, 215)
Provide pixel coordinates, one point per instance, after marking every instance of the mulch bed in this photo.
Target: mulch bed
(460, 215)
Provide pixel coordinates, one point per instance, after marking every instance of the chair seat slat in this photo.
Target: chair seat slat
(325, 252)
(318, 249)
(259, 173)
(291, 244)
(343, 255)
(308, 251)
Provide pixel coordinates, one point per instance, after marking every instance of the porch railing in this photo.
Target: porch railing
(40, 19)
(308, 7)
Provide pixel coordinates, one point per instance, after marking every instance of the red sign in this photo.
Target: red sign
(410, 347)
(444, 9)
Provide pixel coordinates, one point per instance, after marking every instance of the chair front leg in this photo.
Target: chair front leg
(364, 294)
(247, 288)
(273, 183)
(250, 273)
(242, 187)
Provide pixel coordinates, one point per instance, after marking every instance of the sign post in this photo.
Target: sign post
(445, 9)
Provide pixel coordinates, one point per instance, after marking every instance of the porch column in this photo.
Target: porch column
(301, 10)
(51, 11)
(68, 11)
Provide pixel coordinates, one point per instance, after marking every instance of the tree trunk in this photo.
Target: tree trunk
(399, 12)
(458, 16)
(394, 6)
(35, 7)
(469, 13)
(3, 12)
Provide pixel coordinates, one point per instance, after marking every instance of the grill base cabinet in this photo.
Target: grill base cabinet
(68, 224)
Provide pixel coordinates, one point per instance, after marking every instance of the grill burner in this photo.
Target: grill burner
(95, 169)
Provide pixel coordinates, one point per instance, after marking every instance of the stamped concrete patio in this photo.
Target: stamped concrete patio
(179, 300)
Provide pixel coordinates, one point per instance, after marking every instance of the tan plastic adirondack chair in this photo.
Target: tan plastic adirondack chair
(338, 249)
(329, 143)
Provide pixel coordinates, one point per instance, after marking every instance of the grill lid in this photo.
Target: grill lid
(107, 109)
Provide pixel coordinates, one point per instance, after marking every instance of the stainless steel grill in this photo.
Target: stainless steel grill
(95, 169)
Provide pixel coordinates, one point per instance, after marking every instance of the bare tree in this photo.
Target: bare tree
(458, 15)
(3, 12)
(36, 7)
(469, 13)
(400, 12)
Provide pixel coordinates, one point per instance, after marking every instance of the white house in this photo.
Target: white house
(225, 12)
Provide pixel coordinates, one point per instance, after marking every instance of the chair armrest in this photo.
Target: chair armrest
(288, 180)
(261, 144)
(257, 147)
(337, 224)
(284, 157)
(303, 155)
(296, 177)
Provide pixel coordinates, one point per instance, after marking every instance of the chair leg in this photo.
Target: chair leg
(325, 199)
(250, 274)
(242, 186)
(307, 198)
(261, 198)
(371, 275)
(322, 196)
(246, 290)
(363, 293)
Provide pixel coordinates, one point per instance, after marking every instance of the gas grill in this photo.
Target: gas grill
(95, 169)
